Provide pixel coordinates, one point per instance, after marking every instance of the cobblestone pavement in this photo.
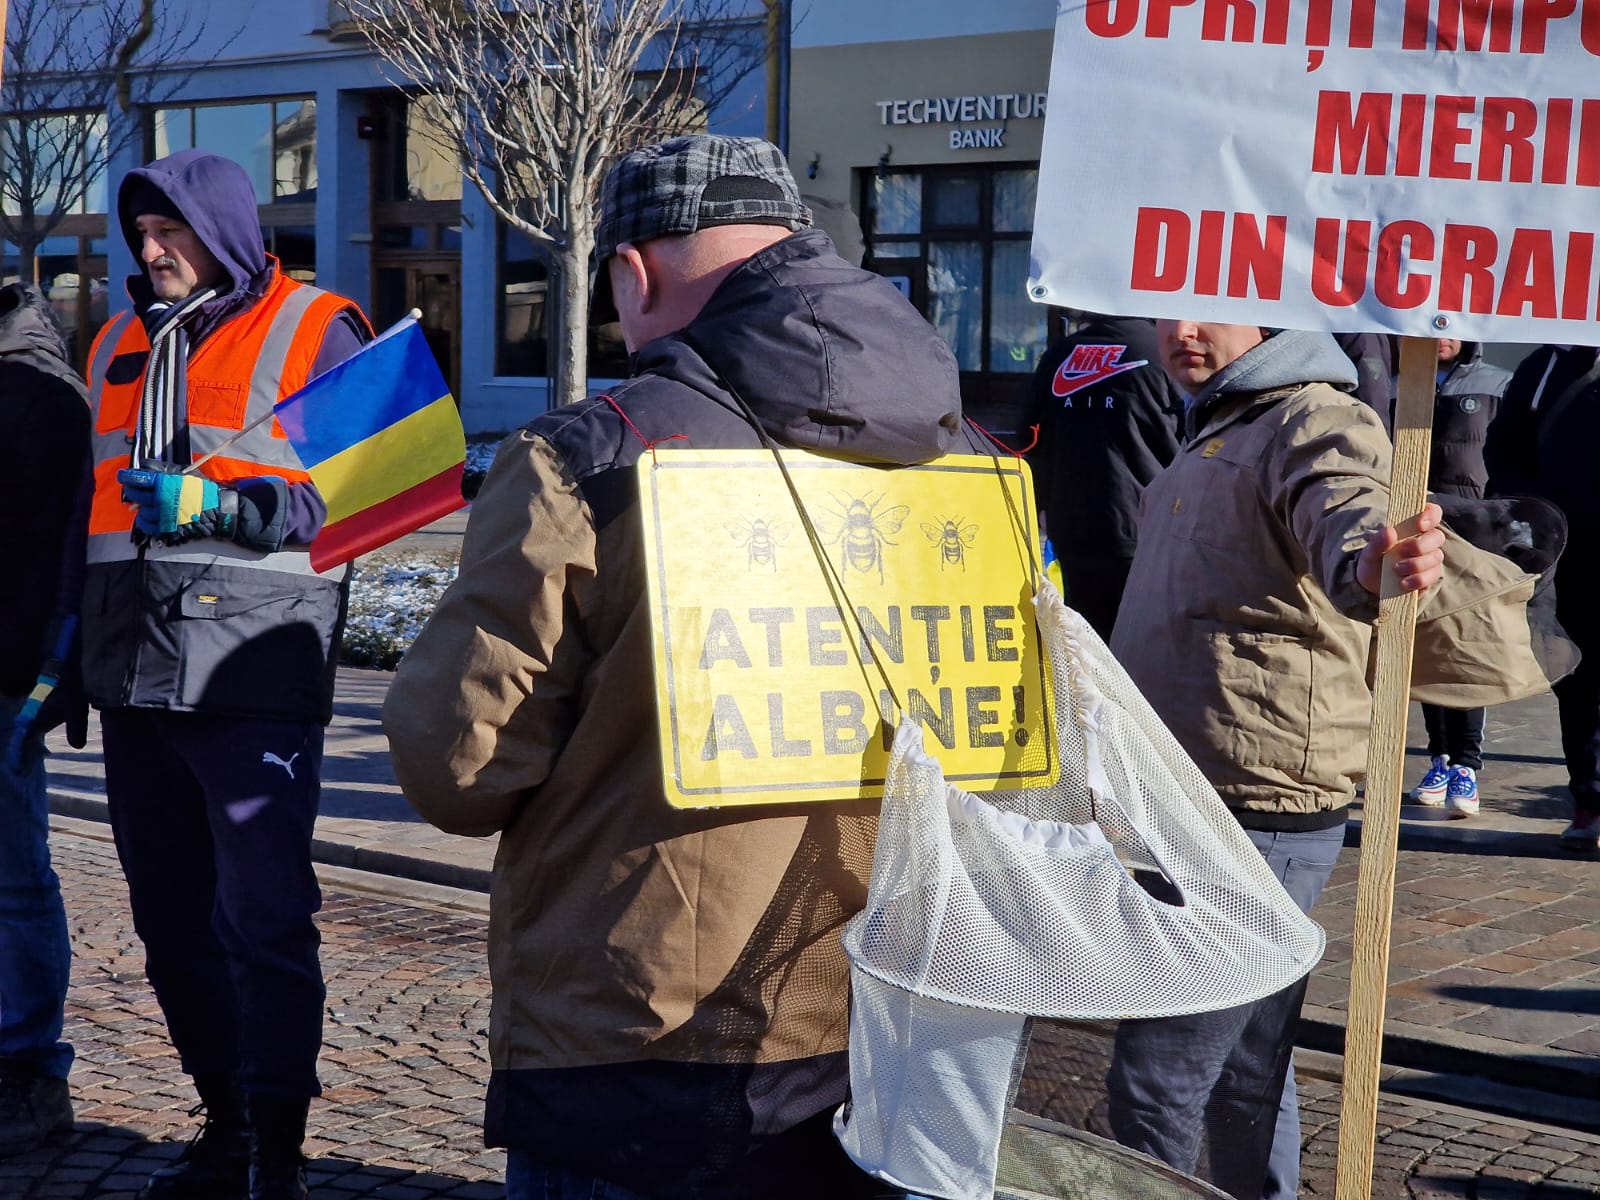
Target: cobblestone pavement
(1434, 1152)
(1492, 955)
(404, 1068)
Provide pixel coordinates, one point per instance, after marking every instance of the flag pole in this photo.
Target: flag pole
(414, 315)
(1380, 811)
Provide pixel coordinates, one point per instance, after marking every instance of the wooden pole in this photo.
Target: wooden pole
(1380, 814)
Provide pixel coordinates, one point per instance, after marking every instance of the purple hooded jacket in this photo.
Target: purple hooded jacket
(216, 199)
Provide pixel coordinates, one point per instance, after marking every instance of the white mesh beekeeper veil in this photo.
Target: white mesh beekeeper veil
(984, 911)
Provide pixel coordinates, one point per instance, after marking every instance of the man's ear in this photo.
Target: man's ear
(633, 284)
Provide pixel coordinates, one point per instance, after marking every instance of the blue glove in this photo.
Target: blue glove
(174, 507)
(50, 703)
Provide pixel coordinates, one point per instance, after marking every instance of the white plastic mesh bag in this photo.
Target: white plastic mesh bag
(983, 912)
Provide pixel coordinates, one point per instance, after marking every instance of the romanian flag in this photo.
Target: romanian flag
(381, 438)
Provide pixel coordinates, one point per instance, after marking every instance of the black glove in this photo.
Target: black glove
(1529, 531)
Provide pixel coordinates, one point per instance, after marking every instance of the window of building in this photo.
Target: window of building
(415, 156)
(956, 241)
(294, 151)
(295, 248)
(678, 88)
(522, 307)
(71, 271)
(416, 224)
(526, 310)
(57, 164)
(275, 141)
(64, 159)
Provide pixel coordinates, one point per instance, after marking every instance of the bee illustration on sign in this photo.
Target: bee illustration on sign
(861, 531)
(760, 539)
(952, 538)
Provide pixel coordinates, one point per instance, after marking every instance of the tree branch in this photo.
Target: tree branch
(65, 68)
(539, 97)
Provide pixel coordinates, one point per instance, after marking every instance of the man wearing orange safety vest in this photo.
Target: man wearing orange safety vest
(209, 647)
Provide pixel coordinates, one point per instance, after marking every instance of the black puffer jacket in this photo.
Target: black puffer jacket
(44, 460)
(1108, 420)
(1543, 438)
(1467, 400)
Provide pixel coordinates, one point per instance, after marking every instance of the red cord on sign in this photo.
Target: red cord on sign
(1034, 429)
(648, 444)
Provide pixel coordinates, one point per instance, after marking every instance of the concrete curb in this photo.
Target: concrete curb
(1451, 1052)
(1468, 1095)
(87, 806)
(1454, 836)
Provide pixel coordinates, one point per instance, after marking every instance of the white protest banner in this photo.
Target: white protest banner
(770, 684)
(1419, 167)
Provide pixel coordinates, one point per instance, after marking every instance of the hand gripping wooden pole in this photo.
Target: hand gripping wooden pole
(1380, 814)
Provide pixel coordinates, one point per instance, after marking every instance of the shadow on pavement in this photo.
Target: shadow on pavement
(362, 804)
(1459, 837)
(355, 1179)
(99, 1159)
(107, 1162)
(1554, 999)
(357, 710)
(1537, 760)
(65, 754)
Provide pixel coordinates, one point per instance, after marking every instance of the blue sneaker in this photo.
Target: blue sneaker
(1432, 788)
(1461, 793)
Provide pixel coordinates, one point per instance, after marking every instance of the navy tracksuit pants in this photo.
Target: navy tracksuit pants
(213, 819)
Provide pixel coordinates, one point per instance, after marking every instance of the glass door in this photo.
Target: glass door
(434, 288)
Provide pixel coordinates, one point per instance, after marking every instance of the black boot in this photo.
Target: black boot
(216, 1165)
(277, 1129)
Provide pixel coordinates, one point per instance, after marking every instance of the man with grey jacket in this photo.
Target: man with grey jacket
(1246, 626)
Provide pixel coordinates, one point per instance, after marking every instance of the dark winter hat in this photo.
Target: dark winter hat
(696, 182)
(145, 198)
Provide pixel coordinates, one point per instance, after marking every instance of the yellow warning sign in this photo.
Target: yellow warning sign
(777, 677)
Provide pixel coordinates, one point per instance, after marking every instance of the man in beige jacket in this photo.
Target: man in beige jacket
(1246, 625)
(670, 992)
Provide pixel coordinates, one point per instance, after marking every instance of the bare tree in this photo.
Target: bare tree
(538, 97)
(66, 65)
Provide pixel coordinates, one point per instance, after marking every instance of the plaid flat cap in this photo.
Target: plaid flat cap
(695, 182)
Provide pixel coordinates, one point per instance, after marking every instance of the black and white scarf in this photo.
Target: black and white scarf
(164, 410)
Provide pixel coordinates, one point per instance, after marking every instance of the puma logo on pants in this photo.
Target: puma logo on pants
(270, 757)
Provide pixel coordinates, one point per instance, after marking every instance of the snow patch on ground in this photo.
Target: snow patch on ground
(393, 592)
(392, 595)
(480, 454)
